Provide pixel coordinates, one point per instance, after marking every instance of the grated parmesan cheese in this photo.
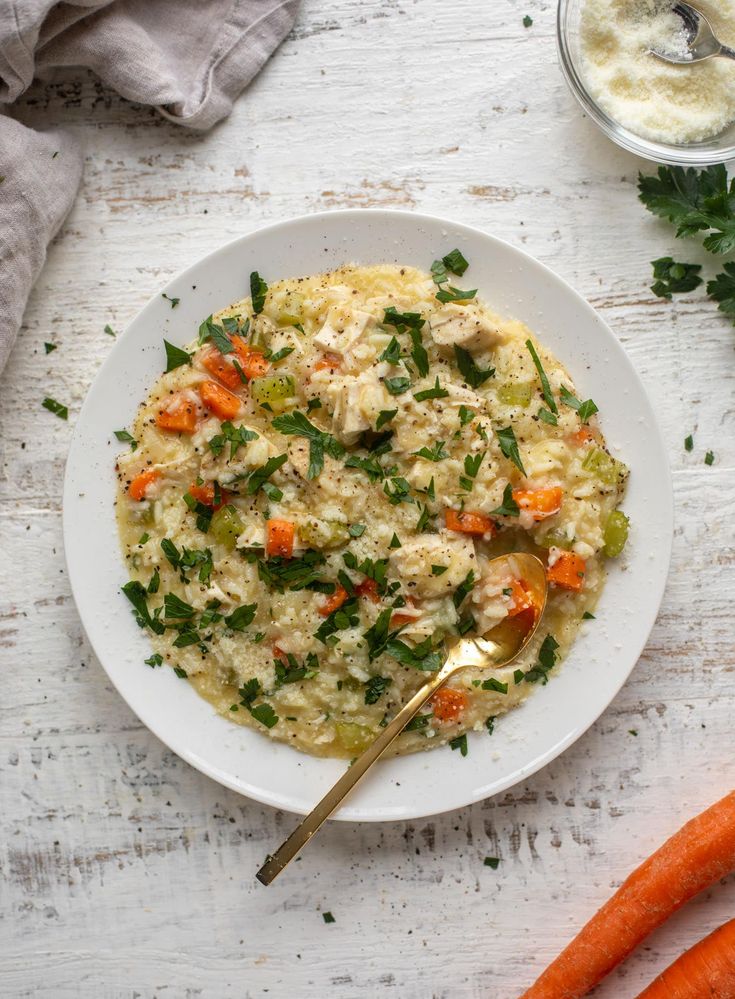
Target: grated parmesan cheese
(655, 99)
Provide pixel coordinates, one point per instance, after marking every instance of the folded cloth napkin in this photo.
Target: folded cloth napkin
(188, 58)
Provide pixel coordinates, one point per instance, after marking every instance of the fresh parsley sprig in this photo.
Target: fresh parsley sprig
(320, 442)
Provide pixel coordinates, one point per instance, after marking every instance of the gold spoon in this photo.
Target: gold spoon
(496, 649)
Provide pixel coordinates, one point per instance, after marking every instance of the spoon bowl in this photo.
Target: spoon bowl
(701, 40)
(492, 650)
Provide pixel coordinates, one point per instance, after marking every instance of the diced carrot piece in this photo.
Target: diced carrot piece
(583, 436)
(448, 704)
(179, 415)
(540, 503)
(205, 494)
(368, 588)
(328, 361)
(222, 403)
(224, 371)
(398, 619)
(279, 537)
(521, 596)
(278, 652)
(139, 485)
(567, 571)
(250, 358)
(469, 523)
(334, 602)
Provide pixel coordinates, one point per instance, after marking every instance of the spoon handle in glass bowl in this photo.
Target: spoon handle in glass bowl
(321, 812)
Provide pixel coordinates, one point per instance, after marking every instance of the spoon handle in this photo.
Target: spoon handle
(321, 812)
(727, 52)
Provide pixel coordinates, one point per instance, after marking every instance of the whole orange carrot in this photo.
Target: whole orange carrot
(705, 971)
(702, 852)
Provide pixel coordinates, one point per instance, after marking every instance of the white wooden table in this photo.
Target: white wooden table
(123, 872)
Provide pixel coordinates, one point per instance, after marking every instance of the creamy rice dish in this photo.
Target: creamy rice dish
(315, 488)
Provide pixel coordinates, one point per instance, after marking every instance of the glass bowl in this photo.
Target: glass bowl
(717, 149)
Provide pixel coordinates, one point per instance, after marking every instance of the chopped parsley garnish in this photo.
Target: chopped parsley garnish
(209, 330)
(155, 660)
(174, 301)
(369, 465)
(688, 443)
(494, 861)
(403, 320)
(527, 21)
(263, 713)
(258, 479)
(356, 530)
(48, 347)
(584, 409)
(434, 453)
(397, 385)
(328, 917)
(384, 416)
(203, 512)
(472, 463)
(546, 661)
(464, 588)
(509, 447)
(241, 618)
(509, 507)
(395, 541)
(588, 617)
(138, 597)
(709, 458)
(417, 723)
(423, 521)
(375, 688)
(345, 616)
(490, 724)
(392, 353)
(291, 573)
(280, 354)
(543, 378)
(236, 437)
(291, 672)
(472, 374)
(455, 262)
(466, 415)
(125, 438)
(258, 291)
(496, 685)
(422, 656)
(175, 356)
(109, 330)
(181, 673)
(438, 570)
(437, 392)
(671, 277)
(174, 608)
(451, 294)
(547, 417)
(460, 743)
(398, 491)
(418, 353)
(155, 582)
(312, 404)
(57, 408)
(296, 423)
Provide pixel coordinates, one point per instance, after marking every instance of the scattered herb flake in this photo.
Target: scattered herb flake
(709, 458)
(258, 291)
(509, 447)
(460, 743)
(175, 356)
(56, 408)
(688, 443)
(173, 301)
(671, 277)
(472, 374)
(492, 862)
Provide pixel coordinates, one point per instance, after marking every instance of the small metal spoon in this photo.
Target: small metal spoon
(700, 38)
(496, 649)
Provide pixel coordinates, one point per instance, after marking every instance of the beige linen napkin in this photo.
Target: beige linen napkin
(188, 58)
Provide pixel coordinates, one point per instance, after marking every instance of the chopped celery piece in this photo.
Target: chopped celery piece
(274, 390)
(353, 737)
(323, 533)
(604, 467)
(615, 533)
(258, 336)
(515, 393)
(142, 514)
(287, 319)
(226, 527)
(555, 539)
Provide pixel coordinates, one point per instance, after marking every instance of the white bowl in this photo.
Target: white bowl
(515, 285)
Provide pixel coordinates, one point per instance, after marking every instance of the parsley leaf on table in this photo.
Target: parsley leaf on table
(671, 277)
(722, 289)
